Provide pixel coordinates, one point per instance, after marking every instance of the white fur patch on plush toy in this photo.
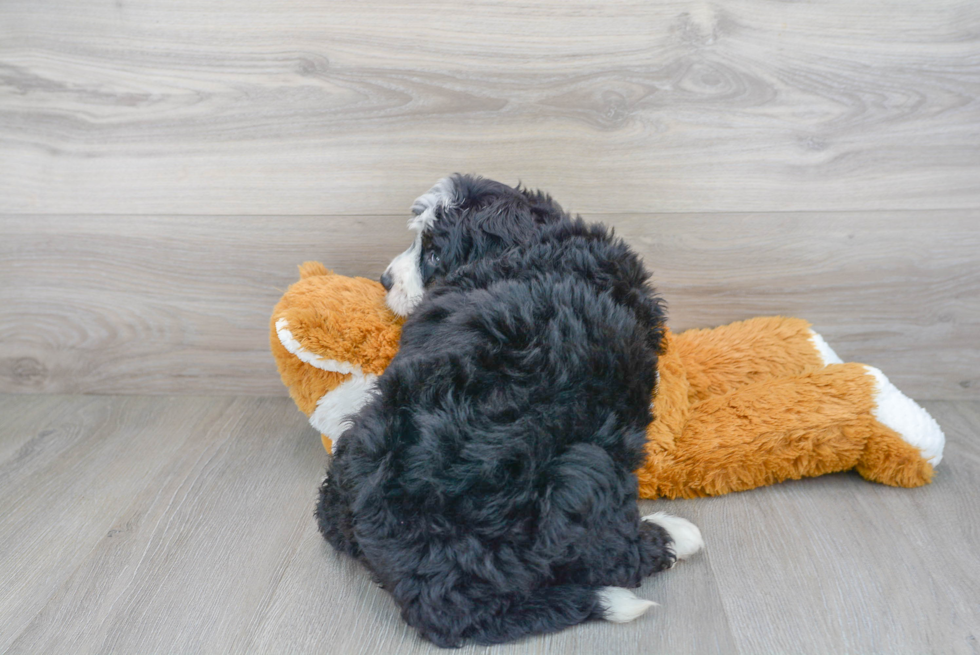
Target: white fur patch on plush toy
(290, 343)
(826, 353)
(334, 409)
(906, 417)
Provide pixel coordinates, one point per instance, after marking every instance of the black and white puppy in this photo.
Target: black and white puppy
(487, 483)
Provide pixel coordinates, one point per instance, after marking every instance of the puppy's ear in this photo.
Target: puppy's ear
(446, 192)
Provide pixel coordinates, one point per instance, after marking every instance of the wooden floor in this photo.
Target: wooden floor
(183, 525)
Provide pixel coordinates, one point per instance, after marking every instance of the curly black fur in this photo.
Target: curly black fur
(488, 485)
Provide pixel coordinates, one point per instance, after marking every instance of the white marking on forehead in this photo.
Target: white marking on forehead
(443, 194)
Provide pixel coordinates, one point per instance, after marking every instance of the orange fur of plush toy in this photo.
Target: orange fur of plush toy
(736, 407)
(751, 403)
(337, 319)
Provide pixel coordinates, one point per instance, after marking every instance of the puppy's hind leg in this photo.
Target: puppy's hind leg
(333, 513)
(666, 539)
(544, 610)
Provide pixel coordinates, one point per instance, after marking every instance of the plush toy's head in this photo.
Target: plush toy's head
(331, 336)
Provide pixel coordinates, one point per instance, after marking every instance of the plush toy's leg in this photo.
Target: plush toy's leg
(817, 422)
(891, 460)
(723, 359)
(907, 443)
(907, 418)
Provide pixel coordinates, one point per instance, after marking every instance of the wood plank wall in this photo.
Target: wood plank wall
(166, 164)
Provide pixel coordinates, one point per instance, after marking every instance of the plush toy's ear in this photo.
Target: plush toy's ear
(331, 336)
(313, 269)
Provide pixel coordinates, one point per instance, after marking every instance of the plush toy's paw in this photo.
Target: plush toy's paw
(907, 418)
(685, 535)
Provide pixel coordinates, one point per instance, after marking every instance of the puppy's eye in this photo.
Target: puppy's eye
(432, 258)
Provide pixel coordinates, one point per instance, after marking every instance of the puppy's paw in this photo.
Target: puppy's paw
(621, 605)
(685, 535)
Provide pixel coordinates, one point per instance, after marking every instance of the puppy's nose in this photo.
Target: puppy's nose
(386, 281)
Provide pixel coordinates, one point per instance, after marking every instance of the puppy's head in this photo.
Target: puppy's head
(461, 219)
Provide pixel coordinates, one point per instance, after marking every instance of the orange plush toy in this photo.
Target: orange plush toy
(736, 407)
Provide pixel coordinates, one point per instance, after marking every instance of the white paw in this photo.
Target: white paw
(907, 418)
(686, 536)
(621, 605)
(827, 353)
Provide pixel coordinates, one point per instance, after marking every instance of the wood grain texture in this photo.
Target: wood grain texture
(181, 107)
(190, 562)
(117, 537)
(367, 617)
(64, 488)
(135, 304)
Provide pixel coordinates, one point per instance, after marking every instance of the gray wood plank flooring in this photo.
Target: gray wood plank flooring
(176, 304)
(183, 524)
